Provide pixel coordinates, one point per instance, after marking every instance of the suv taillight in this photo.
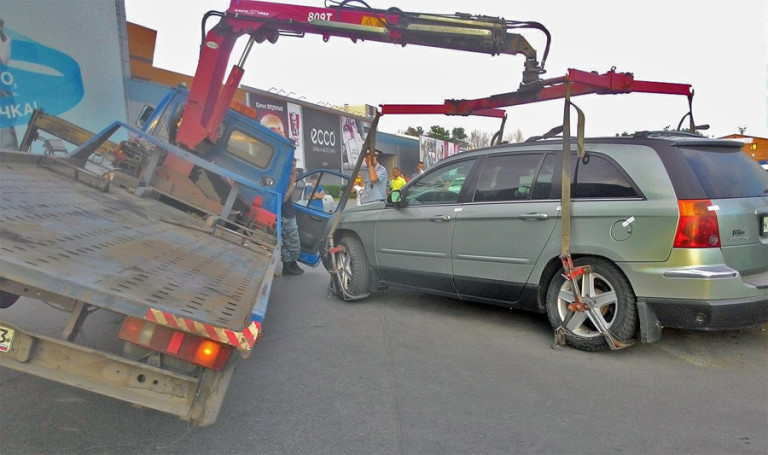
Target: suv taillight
(698, 226)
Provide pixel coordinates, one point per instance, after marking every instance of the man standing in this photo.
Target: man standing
(419, 170)
(374, 180)
(291, 241)
(398, 181)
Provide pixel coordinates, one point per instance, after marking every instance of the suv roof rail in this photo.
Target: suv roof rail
(664, 133)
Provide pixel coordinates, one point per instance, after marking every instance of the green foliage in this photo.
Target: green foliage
(333, 190)
(411, 131)
(438, 132)
(459, 134)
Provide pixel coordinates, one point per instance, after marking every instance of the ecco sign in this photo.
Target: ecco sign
(323, 137)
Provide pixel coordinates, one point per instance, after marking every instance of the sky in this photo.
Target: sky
(720, 47)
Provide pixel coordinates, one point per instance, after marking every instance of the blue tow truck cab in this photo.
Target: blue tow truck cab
(256, 153)
(243, 146)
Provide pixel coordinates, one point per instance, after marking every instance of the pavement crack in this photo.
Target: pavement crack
(392, 378)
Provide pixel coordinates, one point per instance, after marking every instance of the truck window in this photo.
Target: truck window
(250, 149)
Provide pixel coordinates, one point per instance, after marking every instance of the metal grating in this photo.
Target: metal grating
(115, 251)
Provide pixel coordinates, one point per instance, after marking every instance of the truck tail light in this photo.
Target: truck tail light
(698, 227)
(186, 346)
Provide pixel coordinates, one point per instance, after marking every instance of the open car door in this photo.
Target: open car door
(316, 201)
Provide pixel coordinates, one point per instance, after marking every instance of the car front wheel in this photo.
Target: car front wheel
(612, 296)
(352, 267)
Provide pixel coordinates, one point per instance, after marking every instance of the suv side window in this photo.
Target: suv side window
(250, 149)
(511, 178)
(441, 185)
(597, 177)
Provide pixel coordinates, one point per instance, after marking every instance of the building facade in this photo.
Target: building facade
(755, 147)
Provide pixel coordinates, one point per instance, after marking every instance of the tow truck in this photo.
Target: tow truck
(191, 286)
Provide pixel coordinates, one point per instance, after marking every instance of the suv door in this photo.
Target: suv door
(412, 240)
(316, 202)
(500, 232)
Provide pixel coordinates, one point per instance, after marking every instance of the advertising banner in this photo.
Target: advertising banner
(353, 133)
(67, 61)
(271, 113)
(434, 150)
(322, 141)
(295, 126)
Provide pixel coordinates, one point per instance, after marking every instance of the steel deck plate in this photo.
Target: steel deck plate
(120, 252)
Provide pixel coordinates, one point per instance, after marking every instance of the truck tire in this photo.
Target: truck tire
(616, 301)
(7, 299)
(353, 267)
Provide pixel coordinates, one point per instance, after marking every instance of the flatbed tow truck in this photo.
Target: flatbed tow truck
(192, 285)
(193, 293)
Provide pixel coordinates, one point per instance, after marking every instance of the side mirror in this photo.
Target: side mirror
(395, 198)
(144, 115)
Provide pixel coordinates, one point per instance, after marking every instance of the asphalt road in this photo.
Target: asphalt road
(407, 373)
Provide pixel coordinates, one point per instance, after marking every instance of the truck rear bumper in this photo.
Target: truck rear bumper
(117, 377)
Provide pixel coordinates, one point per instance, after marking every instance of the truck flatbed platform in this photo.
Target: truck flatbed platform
(130, 255)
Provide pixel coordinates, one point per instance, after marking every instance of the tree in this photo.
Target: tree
(479, 139)
(458, 134)
(517, 137)
(411, 131)
(438, 132)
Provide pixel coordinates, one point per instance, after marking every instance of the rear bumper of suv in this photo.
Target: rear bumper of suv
(710, 314)
(729, 314)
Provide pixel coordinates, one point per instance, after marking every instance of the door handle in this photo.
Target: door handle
(440, 218)
(534, 216)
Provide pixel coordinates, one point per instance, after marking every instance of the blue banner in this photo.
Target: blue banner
(35, 76)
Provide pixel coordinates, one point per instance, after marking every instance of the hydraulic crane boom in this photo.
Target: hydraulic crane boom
(264, 21)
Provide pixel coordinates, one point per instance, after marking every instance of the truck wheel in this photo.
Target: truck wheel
(353, 267)
(7, 299)
(614, 297)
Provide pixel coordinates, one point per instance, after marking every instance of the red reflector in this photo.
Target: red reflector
(175, 344)
(698, 226)
(186, 346)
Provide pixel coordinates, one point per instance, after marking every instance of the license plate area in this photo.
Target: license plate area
(764, 225)
(6, 338)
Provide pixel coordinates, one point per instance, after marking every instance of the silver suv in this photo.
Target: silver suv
(674, 228)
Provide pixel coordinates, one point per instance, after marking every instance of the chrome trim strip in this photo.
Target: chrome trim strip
(711, 272)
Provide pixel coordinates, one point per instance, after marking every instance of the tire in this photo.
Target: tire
(7, 299)
(617, 304)
(353, 268)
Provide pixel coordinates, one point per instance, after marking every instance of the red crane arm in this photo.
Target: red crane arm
(582, 83)
(264, 21)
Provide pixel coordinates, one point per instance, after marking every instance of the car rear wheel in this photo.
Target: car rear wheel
(352, 267)
(613, 297)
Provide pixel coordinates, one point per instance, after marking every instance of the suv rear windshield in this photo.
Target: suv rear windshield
(726, 172)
